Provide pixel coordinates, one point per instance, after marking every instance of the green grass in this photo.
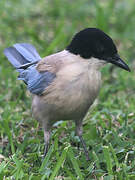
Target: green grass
(109, 128)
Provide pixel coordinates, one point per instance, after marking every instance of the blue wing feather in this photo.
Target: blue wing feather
(36, 81)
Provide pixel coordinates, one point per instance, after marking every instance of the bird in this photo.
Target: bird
(64, 85)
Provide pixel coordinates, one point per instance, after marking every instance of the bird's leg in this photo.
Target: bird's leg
(47, 135)
(79, 131)
(47, 142)
(84, 147)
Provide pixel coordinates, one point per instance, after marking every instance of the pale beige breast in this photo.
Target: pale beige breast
(74, 90)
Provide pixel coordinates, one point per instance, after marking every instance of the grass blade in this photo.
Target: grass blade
(96, 160)
(46, 159)
(70, 174)
(114, 155)
(75, 164)
(108, 160)
(8, 132)
(3, 166)
(58, 164)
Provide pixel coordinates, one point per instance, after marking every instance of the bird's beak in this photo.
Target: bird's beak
(118, 62)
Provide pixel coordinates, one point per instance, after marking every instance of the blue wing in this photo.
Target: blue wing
(36, 81)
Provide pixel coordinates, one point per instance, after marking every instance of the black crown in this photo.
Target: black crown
(92, 42)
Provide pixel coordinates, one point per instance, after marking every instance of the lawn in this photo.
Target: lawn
(109, 127)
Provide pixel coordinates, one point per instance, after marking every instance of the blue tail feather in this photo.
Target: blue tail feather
(14, 57)
(21, 54)
(27, 51)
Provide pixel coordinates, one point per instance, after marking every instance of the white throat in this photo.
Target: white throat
(96, 63)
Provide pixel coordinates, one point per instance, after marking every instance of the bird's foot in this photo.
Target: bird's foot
(85, 148)
(46, 149)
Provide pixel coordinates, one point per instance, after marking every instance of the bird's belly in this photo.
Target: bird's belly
(71, 107)
(72, 100)
(77, 104)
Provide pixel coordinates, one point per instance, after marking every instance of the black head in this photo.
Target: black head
(93, 42)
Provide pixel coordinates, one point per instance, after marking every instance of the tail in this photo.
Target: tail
(22, 55)
(24, 58)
